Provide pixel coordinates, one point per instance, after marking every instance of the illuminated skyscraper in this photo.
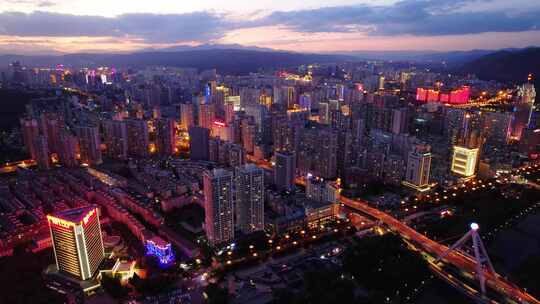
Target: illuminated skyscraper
(219, 206)
(381, 82)
(249, 181)
(418, 167)
(464, 161)
(77, 241)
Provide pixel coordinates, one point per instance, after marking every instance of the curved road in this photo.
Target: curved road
(494, 281)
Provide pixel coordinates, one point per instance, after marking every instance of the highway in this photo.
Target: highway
(494, 281)
(12, 167)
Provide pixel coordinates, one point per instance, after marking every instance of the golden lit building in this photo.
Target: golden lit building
(464, 161)
(77, 241)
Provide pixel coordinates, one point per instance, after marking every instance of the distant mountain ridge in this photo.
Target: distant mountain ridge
(227, 60)
(507, 66)
(449, 57)
(207, 46)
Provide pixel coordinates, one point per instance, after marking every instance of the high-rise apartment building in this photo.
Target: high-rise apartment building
(284, 170)
(207, 115)
(116, 138)
(90, 144)
(138, 137)
(249, 190)
(30, 130)
(219, 206)
(67, 151)
(186, 116)
(43, 157)
(166, 136)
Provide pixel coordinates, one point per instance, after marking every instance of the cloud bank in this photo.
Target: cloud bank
(420, 18)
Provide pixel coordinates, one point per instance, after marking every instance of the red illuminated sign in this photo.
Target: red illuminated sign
(219, 123)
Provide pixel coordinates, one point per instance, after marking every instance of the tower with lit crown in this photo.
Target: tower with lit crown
(77, 241)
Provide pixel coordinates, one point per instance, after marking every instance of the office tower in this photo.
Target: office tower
(43, 157)
(30, 130)
(284, 170)
(187, 118)
(138, 137)
(207, 115)
(116, 138)
(198, 143)
(77, 241)
(166, 136)
(464, 161)
(90, 144)
(324, 113)
(219, 206)
(249, 182)
(67, 151)
(418, 167)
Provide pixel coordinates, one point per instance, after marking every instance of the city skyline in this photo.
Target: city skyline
(52, 27)
(348, 151)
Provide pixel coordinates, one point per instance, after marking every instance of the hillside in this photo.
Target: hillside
(507, 66)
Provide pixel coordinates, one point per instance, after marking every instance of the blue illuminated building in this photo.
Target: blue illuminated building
(159, 248)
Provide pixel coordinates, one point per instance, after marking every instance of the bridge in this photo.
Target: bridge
(461, 261)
